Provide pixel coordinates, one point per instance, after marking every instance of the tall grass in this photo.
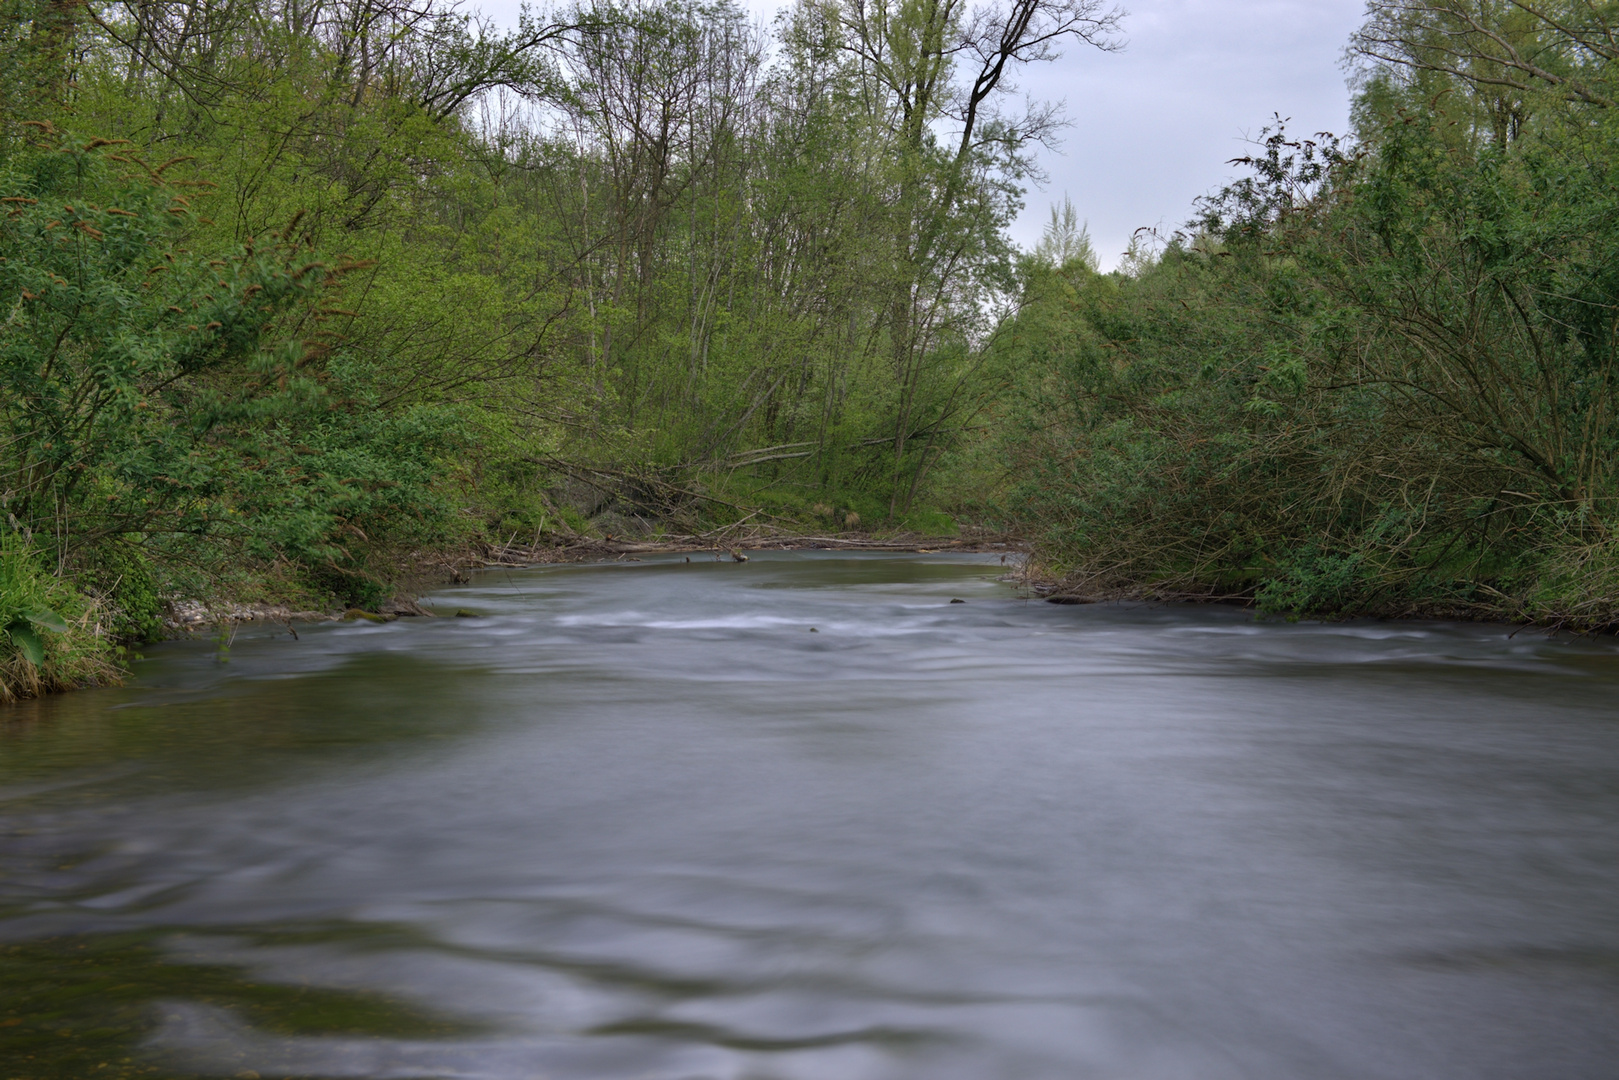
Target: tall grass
(52, 636)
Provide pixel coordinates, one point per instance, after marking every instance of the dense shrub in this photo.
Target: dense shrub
(1372, 377)
(51, 637)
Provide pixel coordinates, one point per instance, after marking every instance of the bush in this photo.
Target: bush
(1313, 582)
(163, 407)
(120, 576)
(51, 636)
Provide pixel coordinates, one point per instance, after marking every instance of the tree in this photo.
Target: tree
(931, 74)
(1503, 54)
(1066, 240)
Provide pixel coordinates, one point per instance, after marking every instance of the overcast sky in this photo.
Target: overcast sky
(1154, 125)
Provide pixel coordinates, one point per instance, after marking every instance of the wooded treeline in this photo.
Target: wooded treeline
(298, 287)
(299, 292)
(1376, 375)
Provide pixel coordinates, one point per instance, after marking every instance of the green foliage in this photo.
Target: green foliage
(26, 592)
(351, 283)
(121, 575)
(48, 631)
(125, 355)
(1066, 240)
(1367, 378)
(153, 392)
(1313, 581)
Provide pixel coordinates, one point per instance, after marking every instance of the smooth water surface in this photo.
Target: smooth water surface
(639, 822)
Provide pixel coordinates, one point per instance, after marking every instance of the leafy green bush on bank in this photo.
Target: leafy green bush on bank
(1374, 377)
(51, 635)
(164, 410)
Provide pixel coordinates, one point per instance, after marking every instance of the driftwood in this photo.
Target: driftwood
(725, 541)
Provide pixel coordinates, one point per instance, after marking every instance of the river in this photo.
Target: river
(805, 818)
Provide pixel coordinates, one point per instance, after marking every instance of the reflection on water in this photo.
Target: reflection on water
(637, 821)
(194, 722)
(83, 1005)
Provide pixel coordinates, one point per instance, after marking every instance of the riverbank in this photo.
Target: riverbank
(1487, 605)
(585, 549)
(90, 633)
(185, 617)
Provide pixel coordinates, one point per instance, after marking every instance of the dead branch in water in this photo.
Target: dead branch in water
(760, 538)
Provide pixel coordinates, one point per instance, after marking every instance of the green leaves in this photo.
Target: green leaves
(1379, 378)
(24, 633)
(46, 619)
(131, 363)
(23, 636)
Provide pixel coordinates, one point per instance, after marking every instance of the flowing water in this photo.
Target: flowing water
(806, 819)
